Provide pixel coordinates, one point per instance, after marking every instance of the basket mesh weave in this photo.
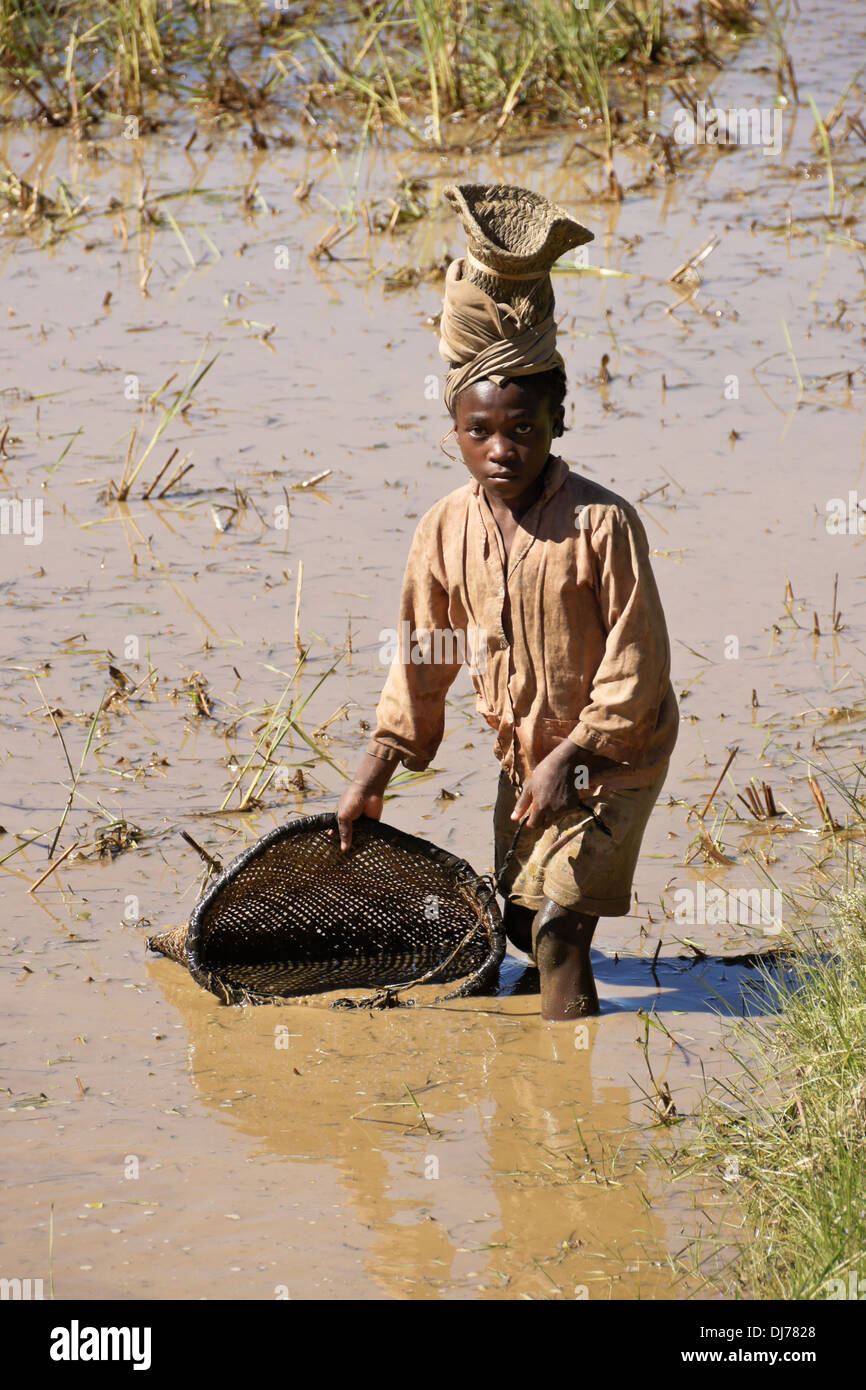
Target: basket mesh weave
(295, 915)
(514, 232)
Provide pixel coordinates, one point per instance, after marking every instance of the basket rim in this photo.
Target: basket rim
(460, 868)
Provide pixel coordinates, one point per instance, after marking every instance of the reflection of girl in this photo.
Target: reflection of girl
(346, 1199)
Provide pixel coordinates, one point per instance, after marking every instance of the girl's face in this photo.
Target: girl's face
(504, 433)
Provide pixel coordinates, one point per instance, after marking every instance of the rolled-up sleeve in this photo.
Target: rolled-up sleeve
(410, 716)
(631, 682)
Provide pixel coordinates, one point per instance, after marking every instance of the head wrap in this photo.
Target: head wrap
(497, 317)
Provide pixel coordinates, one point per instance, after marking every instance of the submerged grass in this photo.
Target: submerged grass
(788, 1129)
(413, 63)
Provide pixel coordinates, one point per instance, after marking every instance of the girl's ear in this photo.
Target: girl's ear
(559, 422)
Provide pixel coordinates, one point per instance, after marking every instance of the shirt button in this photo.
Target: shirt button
(503, 644)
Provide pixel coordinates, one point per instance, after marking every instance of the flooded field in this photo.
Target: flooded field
(157, 1145)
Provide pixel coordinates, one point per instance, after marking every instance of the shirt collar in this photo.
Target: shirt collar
(557, 472)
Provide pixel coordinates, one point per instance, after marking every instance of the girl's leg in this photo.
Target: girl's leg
(518, 921)
(561, 942)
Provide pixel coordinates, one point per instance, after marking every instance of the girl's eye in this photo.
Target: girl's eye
(481, 432)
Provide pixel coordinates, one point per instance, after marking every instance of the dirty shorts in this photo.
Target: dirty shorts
(589, 872)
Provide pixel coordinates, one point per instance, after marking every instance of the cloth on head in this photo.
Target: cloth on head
(486, 339)
(497, 317)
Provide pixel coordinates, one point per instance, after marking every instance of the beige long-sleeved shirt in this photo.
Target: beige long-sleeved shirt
(588, 659)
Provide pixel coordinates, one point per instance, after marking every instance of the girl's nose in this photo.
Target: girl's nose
(501, 448)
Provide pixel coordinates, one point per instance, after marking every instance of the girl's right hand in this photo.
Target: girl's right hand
(356, 801)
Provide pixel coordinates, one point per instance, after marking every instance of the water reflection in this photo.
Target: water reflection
(477, 1151)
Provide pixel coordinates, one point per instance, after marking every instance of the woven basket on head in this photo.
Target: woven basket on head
(295, 915)
(518, 236)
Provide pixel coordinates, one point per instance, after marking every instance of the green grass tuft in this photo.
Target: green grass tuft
(415, 63)
(788, 1131)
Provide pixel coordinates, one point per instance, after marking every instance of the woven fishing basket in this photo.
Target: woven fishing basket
(518, 235)
(295, 915)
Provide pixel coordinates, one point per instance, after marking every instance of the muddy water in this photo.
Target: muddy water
(187, 1150)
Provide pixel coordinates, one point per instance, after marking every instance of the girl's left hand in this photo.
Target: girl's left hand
(552, 790)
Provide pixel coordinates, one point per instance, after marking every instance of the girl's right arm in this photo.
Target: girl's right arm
(364, 796)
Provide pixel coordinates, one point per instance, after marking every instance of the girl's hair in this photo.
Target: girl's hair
(552, 384)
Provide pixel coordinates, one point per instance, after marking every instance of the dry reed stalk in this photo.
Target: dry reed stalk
(182, 469)
(51, 867)
(824, 810)
(709, 801)
(172, 456)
